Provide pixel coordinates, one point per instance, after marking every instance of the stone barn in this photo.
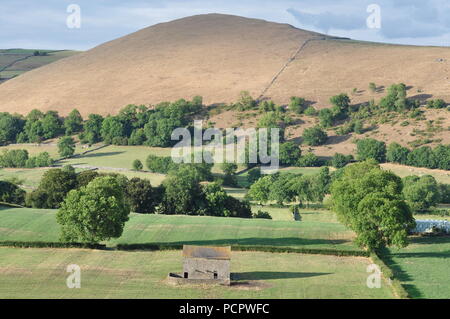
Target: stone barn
(206, 264)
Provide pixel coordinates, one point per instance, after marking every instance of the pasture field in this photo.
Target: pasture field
(24, 224)
(49, 146)
(14, 62)
(117, 156)
(41, 273)
(441, 176)
(423, 267)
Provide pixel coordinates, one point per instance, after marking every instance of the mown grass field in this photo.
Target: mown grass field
(23, 224)
(41, 273)
(423, 267)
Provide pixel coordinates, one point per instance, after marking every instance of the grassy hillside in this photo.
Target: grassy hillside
(41, 273)
(264, 58)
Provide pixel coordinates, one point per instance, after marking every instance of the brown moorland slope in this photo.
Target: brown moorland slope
(217, 56)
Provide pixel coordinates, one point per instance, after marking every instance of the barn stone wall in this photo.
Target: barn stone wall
(202, 268)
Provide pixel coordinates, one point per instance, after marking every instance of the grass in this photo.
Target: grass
(22, 60)
(109, 159)
(401, 170)
(423, 267)
(41, 273)
(117, 156)
(23, 224)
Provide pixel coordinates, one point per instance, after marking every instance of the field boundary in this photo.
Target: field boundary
(42, 244)
(157, 246)
(395, 284)
(269, 249)
(287, 63)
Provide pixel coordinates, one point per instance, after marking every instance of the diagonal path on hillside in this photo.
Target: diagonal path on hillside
(288, 62)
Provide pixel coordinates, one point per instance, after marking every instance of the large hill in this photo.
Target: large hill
(217, 56)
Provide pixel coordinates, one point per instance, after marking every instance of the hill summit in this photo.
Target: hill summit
(217, 56)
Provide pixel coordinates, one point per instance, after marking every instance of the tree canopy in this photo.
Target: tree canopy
(369, 201)
(94, 213)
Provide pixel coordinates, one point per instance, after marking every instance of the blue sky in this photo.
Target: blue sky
(42, 24)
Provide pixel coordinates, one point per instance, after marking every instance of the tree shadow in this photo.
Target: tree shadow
(337, 139)
(269, 275)
(380, 89)
(427, 240)
(421, 97)
(297, 140)
(401, 275)
(101, 154)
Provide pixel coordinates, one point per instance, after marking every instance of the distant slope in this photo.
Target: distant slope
(14, 62)
(217, 56)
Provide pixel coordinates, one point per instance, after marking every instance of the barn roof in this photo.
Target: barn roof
(207, 252)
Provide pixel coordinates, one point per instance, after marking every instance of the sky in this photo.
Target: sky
(83, 24)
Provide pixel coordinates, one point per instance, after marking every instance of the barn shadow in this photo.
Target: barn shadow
(269, 275)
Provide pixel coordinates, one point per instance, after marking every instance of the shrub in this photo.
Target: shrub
(66, 146)
(289, 153)
(159, 164)
(369, 148)
(297, 104)
(397, 153)
(142, 197)
(262, 214)
(444, 191)
(253, 175)
(340, 160)
(137, 165)
(14, 158)
(436, 104)
(309, 160)
(53, 188)
(11, 193)
(310, 111)
(421, 192)
(314, 136)
(85, 177)
(73, 123)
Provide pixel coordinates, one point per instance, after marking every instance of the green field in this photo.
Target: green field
(117, 156)
(23, 224)
(41, 273)
(14, 62)
(423, 267)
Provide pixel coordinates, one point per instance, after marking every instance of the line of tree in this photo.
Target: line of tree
(133, 125)
(288, 188)
(424, 156)
(19, 158)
